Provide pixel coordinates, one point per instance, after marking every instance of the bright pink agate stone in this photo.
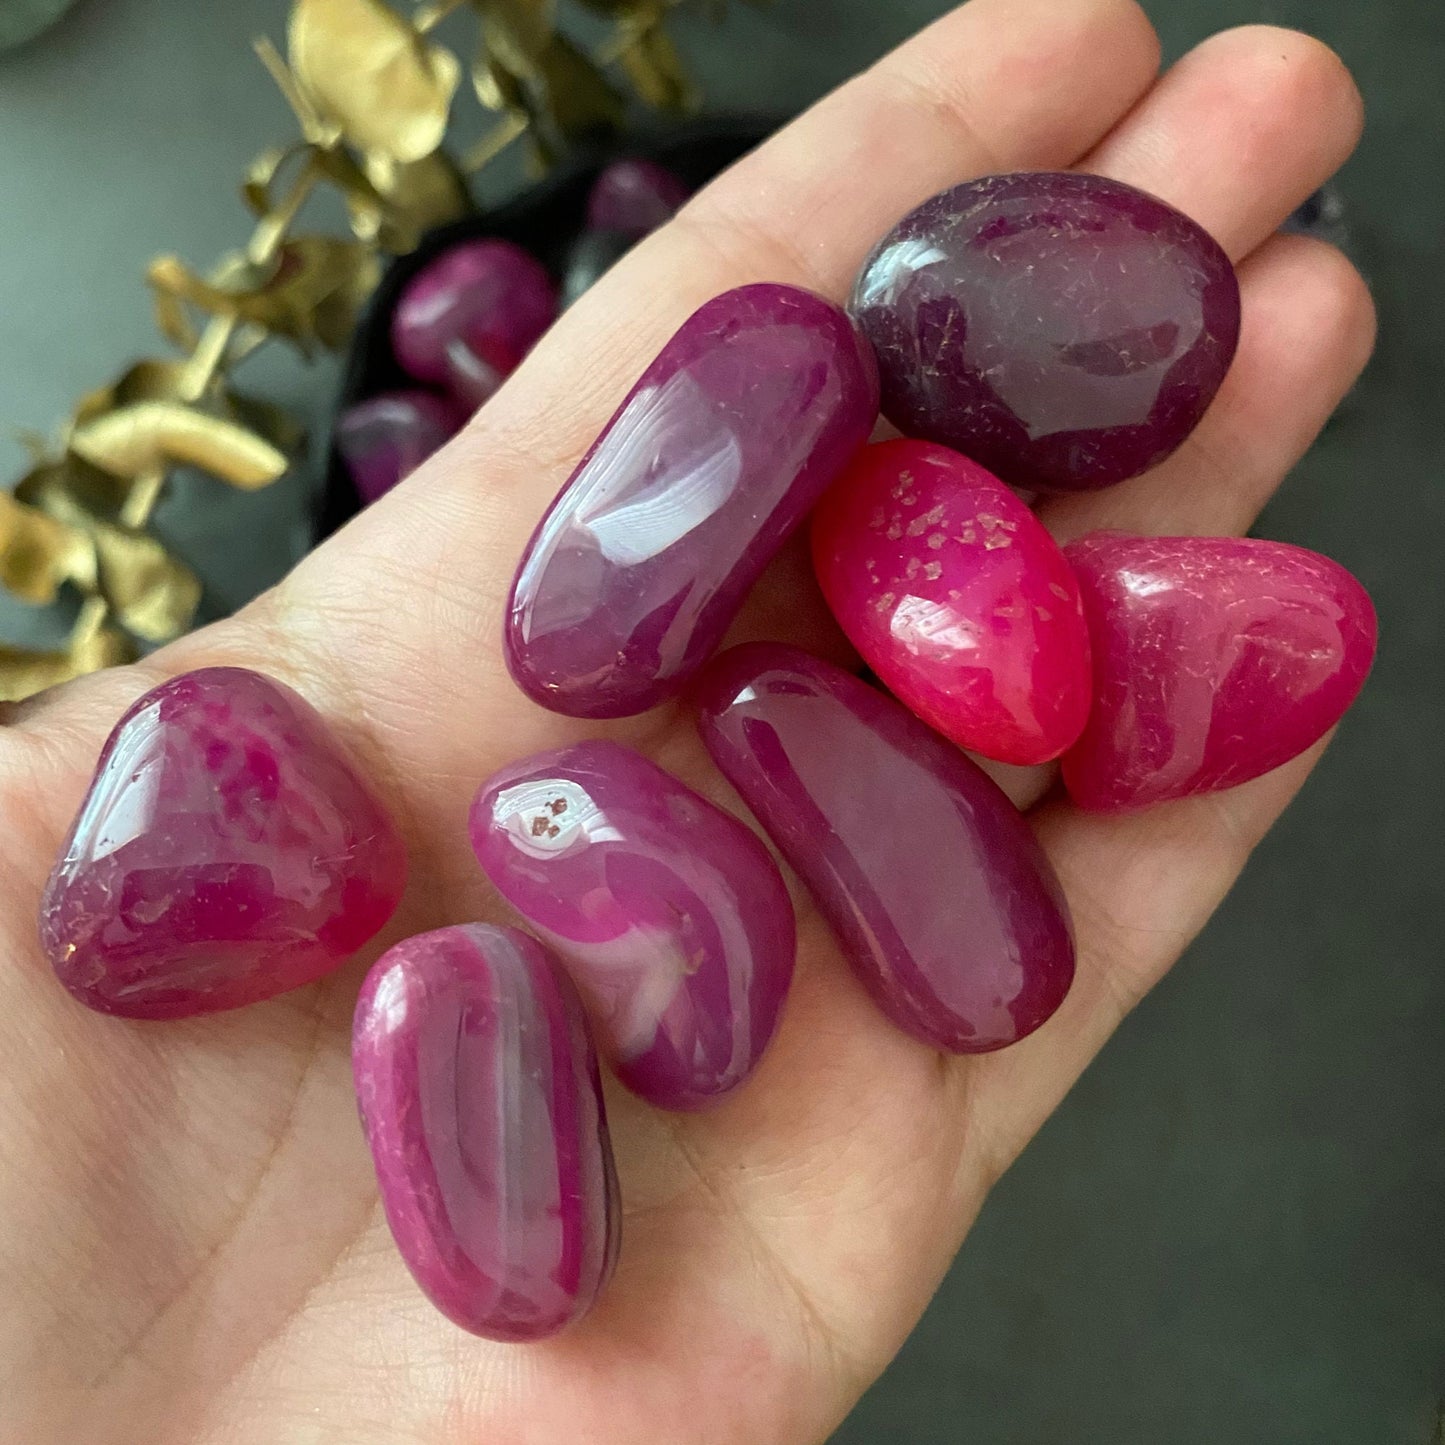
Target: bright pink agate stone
(227, 850)
(931, 879)
(1065, 330)
(957, 598)
(670, 915)
(715, 456)
(1216, 659)
(480, 1098)
(465, 321)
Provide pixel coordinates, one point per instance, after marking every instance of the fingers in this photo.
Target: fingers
(1236, 135)
(1239, 132)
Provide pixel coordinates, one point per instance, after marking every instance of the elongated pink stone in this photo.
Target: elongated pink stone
(957, 598)
(466, 320)
(481, 1102)
(227, 850)
(932, 881)
(670, 915)
(1065, 330)
(385, 438)
(715, 456)
(1216, 659)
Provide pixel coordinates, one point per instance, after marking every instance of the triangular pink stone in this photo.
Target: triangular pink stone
(226, 851)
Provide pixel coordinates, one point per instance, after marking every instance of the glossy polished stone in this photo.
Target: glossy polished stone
(714, 457)
(226, 851)
(465, 321)
(1064, 330)
(957, 598)
(932, 881)
(480, 1098)
(670, 915)
(634, 197)
(1216, 659)
(387, 437)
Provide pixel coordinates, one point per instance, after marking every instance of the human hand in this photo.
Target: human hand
(190, 1240)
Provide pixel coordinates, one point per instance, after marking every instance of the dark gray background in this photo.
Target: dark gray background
(1231, 1234)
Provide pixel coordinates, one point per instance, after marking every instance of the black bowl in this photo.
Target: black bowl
(547, 219)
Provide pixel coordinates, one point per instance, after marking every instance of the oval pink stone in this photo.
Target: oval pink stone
(227, 850)
(713, 459)
(480, 1098)
(958, 598)
(931, 879)
(1216, 659)
(670, 915)
(633, 197)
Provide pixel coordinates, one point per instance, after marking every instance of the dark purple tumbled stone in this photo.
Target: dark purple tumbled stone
(481, 1101)
(634, 197)
(670, 915)
(385, 438)
(715, 456)
(1065, 330)
(932, 880)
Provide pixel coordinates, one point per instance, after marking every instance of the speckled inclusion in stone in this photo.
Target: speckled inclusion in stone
(957, 598)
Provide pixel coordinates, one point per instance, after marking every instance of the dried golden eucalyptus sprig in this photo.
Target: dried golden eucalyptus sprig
(373, 94)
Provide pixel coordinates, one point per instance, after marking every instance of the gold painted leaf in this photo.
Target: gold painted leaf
(368, 70)
(152, 593)
(311, 291)
(72, 491)
(147, 435)
(576, 94)
(654, 67)
(415, 196)
(39, 554)
(518, 32)
(23, 673)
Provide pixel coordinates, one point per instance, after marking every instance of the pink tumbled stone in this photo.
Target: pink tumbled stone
(670, 915)
(466, 320)
(1216, 659)
(714, 457)
(633, 197)
(385, 438)
(933, 882)
(957, 598)
(480, 1098)
(227, 851)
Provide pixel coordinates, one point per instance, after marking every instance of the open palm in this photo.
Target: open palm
(191, 1247)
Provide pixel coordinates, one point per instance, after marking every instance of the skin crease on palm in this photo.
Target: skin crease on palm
(191, 1247)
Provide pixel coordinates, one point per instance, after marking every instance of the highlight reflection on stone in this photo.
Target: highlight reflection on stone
(957, 598)
(931, 879)
(1216, 659)
(1064, 330)
(481, 1102)
(226, 851)
(714, 457)
(670, 915)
